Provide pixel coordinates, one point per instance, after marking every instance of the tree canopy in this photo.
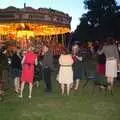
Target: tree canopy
(100, 21)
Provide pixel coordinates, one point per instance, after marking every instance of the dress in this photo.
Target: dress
(65, 72)
(101, 64)
(28, 67)
(77, 67)
(111, 68)
(112, 56)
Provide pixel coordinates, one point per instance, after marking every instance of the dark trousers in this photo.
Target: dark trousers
(47, 78)
(10, 77)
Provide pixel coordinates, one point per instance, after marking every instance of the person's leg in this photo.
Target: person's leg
(47, 79)
(16, 73)
(30, 90)
(21, 89)
(110, 83)
(77, 84)
(62, 89)
(37, 83)
(10, 77)
(5, 76)
(68, 89)
(16, 84)
(71, 85)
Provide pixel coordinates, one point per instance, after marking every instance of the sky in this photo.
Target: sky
(75, 8)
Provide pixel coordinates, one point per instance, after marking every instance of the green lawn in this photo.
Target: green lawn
(81, 105)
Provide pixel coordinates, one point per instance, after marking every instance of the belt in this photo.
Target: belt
(110, 58)
(66, 65)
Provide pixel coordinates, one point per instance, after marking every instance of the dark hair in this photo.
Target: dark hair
(46, 45)
(66, 51)
(109, 40)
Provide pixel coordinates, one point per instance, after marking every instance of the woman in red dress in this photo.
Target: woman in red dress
(28, 62)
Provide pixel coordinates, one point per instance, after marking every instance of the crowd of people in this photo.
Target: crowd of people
(21, 67)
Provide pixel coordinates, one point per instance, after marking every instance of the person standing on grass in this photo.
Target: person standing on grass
(10, 79)
(3, 70)
(100, 62)
(65, 75)
(112, 57)
(47, 67)
(4, 66)
(77, 66)
(28, 62)
(16, 69)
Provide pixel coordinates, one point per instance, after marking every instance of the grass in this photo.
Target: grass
(81, 105)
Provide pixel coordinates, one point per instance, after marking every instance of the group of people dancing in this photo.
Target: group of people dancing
(22, 69)
(70, 69)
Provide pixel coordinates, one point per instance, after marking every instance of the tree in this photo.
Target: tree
(101, 18)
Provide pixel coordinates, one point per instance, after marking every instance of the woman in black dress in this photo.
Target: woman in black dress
(77, 66)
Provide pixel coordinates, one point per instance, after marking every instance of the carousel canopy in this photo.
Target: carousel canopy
(35, 22)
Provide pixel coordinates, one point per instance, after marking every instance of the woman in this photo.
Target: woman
(77, 66)
(100, 62)
(65, 76)
(112, 57)
(28, 62)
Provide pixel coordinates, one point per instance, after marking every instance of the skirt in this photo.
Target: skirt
(101, 69)
(111, 68)
(65, 75)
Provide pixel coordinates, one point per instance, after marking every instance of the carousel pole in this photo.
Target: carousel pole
(62, 39)
(56, 36)
(50, 38)
(69, 41)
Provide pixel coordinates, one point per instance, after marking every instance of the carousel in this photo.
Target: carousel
(28, 26)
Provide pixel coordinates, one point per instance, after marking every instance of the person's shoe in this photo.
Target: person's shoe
(20, 96)
(75, 89)
(37, 84)
(16, 91)
(29, 97)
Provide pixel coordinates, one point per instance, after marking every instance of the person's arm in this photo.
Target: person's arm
(36, 61)
(60, 60)
(99, 52)
(72, 60)
(23, 60)
(116, 53)
(79, 58)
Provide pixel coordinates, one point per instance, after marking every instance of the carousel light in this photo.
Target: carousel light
(36, 29)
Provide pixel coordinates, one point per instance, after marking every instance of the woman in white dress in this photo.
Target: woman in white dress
(65, 76)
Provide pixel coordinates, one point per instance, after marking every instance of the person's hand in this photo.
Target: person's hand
(79, 58)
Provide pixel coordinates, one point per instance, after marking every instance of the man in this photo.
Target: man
(4, 66)
(16, 69)
(3, 71)
(47, 67)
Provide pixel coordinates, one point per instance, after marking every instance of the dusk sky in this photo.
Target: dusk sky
(75, 8)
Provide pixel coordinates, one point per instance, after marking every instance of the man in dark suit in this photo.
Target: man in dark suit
(47, 67)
